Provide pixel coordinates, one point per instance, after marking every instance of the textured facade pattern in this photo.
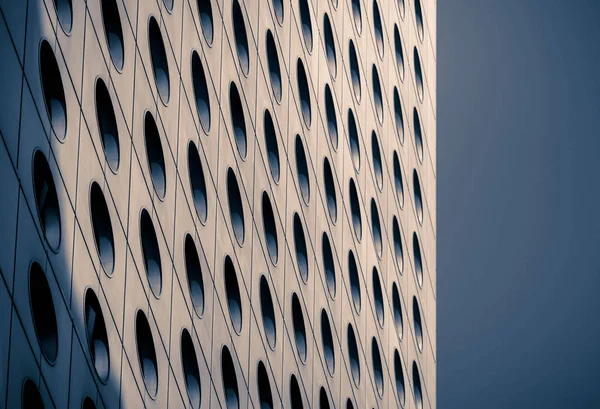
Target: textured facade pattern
(218, 203)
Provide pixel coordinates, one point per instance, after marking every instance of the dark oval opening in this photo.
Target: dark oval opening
(268, 312)
(299, 329)
(354, 281)
(398, 118)
(272, 146)
(87, 403)
(168, 5)
(329, 46)
(398, 184)
(46, 200)
(418, 135)
(264, 386)
(419, 76)
(419, 18)
(376, 229)
(417, 324)
(52, 88)
(151, 253)
(102, 226)
(323, 399)
(417, 386)
(398, 252)
(270, 228)
(354, 71)
(376, 156)
(399, 377)
(378, 29)
(43, 313)
(230, 384)
(193, 268)
(302, 169)
(306, 24)
(330, 190)
(377, 366)
(154, 154)
(206, 20)
(241, 38)
(191, 374)
(158, 55)
(397, 306)
(234, 299)
(300, 245)
(377, 94)
(201, 91)
(331, 117)
(278, 7)
(399, 53)
(274, 67)
(355, 210)
(328, 265)
(236, 108)
(378, 298)
(113, 32)
(354, 140)
(357, 15)
(236, 208)
(349, 404)
(304, 93)
(353, 355)
(146, 353)
(295, 394)
(327, 340)
(418, 197)
(197, 182)
(107, 125)
(64, 12)
(30, 396)
(418, 260)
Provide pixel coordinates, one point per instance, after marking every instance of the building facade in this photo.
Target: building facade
(218, 203)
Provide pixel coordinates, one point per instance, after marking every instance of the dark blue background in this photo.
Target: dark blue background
(518, 215)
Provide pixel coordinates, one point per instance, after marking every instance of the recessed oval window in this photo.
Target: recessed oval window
(268, 312)
(102, 227)
(43, 313)
(354, 71)
(230, 384)
(377, 96)
(417, 324)
(241, 38)
(357, 15)
(401, 8)
(354, 140)
(87, 403)
(398, 252)
(397, 306)
(274, 67)
(419, 18)
(30, 396)
(330, 190)
(265, 396)
(279, 11)
(418, 75)
(399, 378)
(46, 200)
(107, 125)
(236, 208)
(398, 118)
(376, 229)
(146, 353)
(113, 32)
(376, 156)
(355, 210)
(97, 337)
(354, 281)
(377, 366)
(349, 404)
(302, 170)
(234, 299)
(52, 88)
(299, 329)
(328, 265)
(329, 46)
(158, 55)
(272, 146)
(353, 356)
(378, 298)
(206, 20)
(64, 12)
(418, 197)
(399, 53)
(323, 399)
(331, 116)
(236, 109)
(417, 386)
(270, 228)
(191, 374)
(193, 268)
(327, 341)
(201, 90)
(154, 154)
(295, 394)
(304, 93)
(301, 250)
(151, 253)
(398, 184)
(306, 24)
(377, 25)
(197, 182)
(418, 135)
(418, 260)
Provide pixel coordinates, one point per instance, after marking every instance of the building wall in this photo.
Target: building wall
(204, 203)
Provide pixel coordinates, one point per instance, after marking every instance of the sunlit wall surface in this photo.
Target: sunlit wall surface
(218, 203)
